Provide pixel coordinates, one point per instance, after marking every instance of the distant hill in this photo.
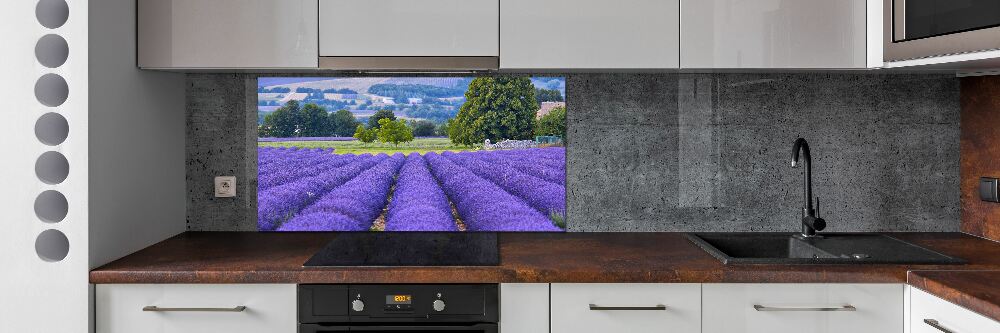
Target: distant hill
(362, 84)
(430, 98)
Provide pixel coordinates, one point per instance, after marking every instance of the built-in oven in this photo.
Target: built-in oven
(916, 29)
(376, 308)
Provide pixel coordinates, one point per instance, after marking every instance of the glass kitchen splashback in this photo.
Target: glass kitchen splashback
(411, 154)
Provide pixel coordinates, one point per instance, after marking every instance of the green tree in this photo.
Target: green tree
(283, 122)
(364, 134)
(442, 130)
(495, 108)
(553, 123)
(548, 95)
(342, 123)
(394, 131)
(423, 128)
(313, 121)
(373, 121)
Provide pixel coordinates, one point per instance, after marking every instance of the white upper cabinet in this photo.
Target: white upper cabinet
(408, 28)
(589, 34)
(227, 34)
(780, 34)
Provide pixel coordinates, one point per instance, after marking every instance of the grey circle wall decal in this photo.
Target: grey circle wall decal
(52, 167)
(51, 206)
(51, 129)
(52, 13)
(51, 51)
(52, 245)
(51, 90)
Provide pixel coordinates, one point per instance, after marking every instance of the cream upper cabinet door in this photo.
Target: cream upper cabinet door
(589, 34)
(803, 308)
(930, 314)
(633, 308)
(409, 28)
(776, 34)
(227, 34)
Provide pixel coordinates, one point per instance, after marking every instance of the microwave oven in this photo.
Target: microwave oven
(915, 29)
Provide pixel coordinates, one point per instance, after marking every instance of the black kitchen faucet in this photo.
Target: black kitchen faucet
(810, 221)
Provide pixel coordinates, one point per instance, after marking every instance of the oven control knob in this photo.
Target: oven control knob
(438, 305)
(358, 305)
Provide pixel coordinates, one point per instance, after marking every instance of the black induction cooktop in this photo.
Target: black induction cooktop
(409, 249)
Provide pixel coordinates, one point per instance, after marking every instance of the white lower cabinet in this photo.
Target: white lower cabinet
(570, 308)
(930, 314)
(634, 308)
(803, 308)
(180, 308)
(524, 308)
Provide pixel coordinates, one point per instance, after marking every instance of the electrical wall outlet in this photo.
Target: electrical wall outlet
(988, 189)
(225, 187)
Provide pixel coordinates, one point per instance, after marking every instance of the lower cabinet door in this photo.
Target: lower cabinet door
(524, 308)
(930, 314)
(188, 308)
(634, 308)
(803, 308)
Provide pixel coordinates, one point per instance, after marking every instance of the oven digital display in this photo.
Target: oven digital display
(398, 299)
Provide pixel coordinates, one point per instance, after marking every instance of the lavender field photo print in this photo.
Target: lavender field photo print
(412, 154)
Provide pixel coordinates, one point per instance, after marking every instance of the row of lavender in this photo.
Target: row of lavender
(315, 190)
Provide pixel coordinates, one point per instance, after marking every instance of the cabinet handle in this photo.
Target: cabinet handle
(596, 307)
(759, 307)
(935, 324)
(159, 309)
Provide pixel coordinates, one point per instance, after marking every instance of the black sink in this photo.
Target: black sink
(837, 248)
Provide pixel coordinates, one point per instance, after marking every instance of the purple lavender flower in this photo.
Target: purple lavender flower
(418, 203)
(280, 203)
(481, 204)
(287, 169)
(312, 189)
(319, 221)
(545, 163)
(360, 199)
(548, 198)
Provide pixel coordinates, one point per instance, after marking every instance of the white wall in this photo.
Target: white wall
(38, 295)
(125, 148)
(137, 185)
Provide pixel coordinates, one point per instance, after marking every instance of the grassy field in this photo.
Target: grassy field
(420, 145)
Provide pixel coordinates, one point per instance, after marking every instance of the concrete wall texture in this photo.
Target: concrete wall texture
(684, 152)
(221, 141)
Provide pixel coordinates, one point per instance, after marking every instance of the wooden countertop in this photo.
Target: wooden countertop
(978, 291)
(251, 257)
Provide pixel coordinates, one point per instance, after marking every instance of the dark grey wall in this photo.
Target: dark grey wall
(685, 152)
(221, 141)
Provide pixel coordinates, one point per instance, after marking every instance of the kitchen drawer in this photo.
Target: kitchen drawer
(269, 308)
(948, 316)
(634, 308)
(778, 308)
